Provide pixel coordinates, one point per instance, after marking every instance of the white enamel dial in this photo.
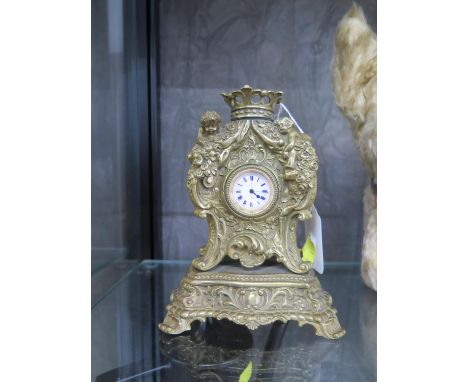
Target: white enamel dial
(251, 192)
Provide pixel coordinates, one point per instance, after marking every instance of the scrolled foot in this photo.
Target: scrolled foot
(172, 325)
(330, 329)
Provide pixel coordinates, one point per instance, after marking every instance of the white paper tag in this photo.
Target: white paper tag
(313, 228)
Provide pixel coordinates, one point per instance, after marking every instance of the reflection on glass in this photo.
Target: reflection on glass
(128, 346)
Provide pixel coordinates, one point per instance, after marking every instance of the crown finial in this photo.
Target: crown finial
(252, 103)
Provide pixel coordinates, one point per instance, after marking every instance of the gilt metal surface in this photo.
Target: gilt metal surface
(252, 299)
(253, 293)
(274, 145)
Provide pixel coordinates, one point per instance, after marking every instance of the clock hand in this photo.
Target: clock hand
(253, 192)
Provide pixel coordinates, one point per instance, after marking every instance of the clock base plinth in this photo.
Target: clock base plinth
(251, 297)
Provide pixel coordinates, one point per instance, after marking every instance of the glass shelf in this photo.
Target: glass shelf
(102, 257)
(128, 346)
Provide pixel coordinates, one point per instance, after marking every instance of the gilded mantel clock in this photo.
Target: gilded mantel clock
(253, 180)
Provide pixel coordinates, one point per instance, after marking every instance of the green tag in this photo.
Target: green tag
(246, 374)
(308, 251)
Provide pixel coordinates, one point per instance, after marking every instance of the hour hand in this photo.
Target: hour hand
(258, 196)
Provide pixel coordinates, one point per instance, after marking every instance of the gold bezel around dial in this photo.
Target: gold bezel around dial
(245, 212)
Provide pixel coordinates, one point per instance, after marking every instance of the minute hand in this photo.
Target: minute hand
(258, 196)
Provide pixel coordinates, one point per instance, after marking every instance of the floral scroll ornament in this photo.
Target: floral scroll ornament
(205, 155)
(301, 165)
(252, 141)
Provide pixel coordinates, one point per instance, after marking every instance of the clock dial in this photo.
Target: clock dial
(251, 192)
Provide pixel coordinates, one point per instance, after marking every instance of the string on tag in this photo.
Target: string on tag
(313, 227)
(283, 106)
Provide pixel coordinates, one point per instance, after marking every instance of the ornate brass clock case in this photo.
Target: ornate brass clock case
(253, 180)
(252, 140)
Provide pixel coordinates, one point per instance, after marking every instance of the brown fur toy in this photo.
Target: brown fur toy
(355, 86)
